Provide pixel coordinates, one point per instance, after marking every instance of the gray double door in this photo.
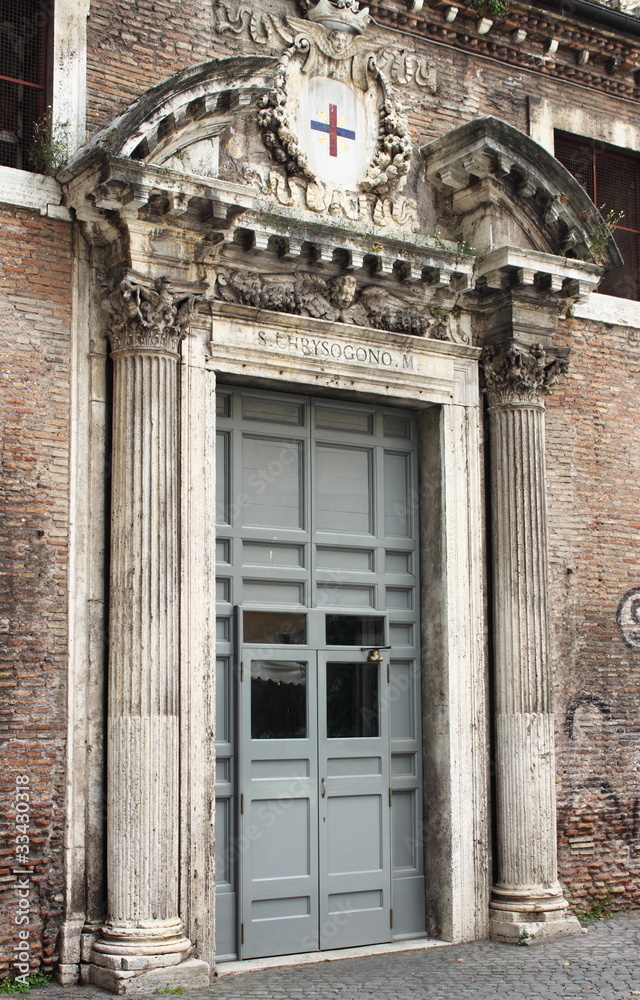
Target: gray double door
(318, 774)
(316, 801)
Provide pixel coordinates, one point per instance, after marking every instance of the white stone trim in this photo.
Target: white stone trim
(609, 309)
(69, 102)
(468, 750)
(198, 645)
(546, 116)
(28, 190)
(69, 63)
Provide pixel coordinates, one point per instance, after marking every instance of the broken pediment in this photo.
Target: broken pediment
(179, 123)
(507, 190)
(183, 186)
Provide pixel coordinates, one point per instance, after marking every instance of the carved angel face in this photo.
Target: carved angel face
(343, 291)
(340, 41)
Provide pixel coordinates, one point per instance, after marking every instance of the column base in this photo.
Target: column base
(531, 931)
(527, 914)
(191, 974)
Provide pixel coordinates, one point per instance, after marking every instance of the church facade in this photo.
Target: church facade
(320, 585)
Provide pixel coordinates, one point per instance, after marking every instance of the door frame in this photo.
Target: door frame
(440, 380)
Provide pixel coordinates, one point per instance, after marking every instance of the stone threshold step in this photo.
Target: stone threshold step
(308, 958)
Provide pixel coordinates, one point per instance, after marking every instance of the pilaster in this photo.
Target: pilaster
(143, 939)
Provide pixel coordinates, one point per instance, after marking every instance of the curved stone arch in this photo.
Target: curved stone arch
(187, 107)
(488, 162)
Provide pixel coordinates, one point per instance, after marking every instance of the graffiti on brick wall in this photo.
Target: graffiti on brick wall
(599, 816)
(628, 618)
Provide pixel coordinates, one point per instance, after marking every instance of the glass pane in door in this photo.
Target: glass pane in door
(352, 700)
(278, 700)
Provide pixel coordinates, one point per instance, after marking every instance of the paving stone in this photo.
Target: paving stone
(602, 963)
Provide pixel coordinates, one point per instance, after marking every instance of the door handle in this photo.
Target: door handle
(324, 787)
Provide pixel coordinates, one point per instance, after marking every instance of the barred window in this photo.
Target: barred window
(24, 45)
(611, 179)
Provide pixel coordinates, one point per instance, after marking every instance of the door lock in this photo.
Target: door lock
(375, 656)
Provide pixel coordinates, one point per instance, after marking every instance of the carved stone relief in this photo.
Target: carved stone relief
(402, 67)
(293, 192)
(517, 376)
(339, 58)
(146, 317)
(340, 299)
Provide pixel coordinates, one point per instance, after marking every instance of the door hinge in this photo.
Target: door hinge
(391, 917)
(390, 795)
(241, 670)
(242, 803)
(241, 933)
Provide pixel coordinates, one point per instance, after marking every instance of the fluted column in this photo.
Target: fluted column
(527, 900)
(143, 930)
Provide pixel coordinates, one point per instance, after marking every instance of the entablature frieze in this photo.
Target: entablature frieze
(337, 358)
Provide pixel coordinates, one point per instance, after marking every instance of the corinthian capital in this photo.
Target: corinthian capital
(517, 376)
(146, 317)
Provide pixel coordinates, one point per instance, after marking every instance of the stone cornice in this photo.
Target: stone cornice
(146, 317)
(553, 44)
(513, 376)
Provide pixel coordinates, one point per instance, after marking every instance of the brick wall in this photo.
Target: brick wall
(35, 274)
(593, 441)
(133, 46)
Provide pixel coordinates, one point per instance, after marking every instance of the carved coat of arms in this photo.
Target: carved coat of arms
(332, 118)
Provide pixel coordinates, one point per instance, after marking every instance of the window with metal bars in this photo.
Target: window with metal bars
(24, 49)
(612, 181)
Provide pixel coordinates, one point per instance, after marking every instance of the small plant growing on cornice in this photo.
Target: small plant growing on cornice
(601, 234)
(466, 249)
(50, 147)
(491, 8)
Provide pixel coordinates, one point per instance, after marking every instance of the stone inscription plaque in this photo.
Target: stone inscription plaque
(336, 350)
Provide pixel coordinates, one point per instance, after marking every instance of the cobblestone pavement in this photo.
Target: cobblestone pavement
(604, 962)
